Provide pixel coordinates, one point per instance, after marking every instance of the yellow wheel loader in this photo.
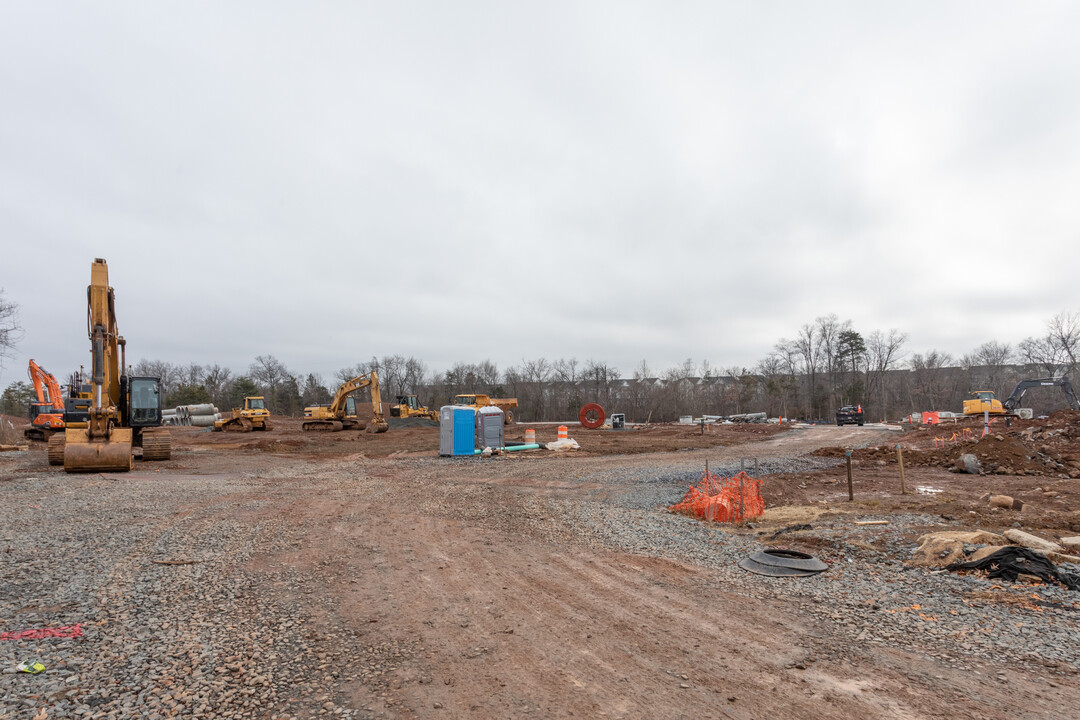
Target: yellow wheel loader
(125, 411)
(253, 416)
(340, 414)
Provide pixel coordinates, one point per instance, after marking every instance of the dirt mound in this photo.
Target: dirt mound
(1050, 446)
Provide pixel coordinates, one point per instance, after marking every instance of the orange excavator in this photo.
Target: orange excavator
(47, 414)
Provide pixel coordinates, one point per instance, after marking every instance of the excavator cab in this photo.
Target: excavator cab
(982, 401)
(143, 402)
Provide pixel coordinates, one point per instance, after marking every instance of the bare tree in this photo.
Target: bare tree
(346, 374)
(987, 363)
(270, 373)
(807, 346)
(1064, 328)
(883, 353)
(216, 380)
(314, 392)
(10, 330)
(191, 374)
(930, 379)
(565, 370)
(392, 375)
(414, 375)
(535, 374)
(1057, 350)
(776, 383)
(830, 331)
(166, 373)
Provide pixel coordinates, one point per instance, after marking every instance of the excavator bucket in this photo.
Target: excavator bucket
(81, 454)
(377, 426)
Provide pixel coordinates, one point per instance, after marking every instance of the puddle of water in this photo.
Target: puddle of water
(927, 490)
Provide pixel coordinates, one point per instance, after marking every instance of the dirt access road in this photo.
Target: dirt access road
(327, 582)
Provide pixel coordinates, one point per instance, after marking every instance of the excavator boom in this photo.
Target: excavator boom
(47, 414)
(1017, 396)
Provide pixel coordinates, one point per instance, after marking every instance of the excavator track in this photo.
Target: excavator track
(33, 432)
(321, 426)
(56, 449)
(156, 444)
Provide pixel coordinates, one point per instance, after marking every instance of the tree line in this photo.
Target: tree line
(827, 363)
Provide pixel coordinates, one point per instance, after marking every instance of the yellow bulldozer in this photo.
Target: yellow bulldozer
(253, 416)
(408, 406)
(340, 414)
(125, 411)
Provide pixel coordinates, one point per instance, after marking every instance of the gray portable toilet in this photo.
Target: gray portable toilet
(489, 428)
(457, 435)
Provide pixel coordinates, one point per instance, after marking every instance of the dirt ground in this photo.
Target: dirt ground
(422, 441)
(485, 602)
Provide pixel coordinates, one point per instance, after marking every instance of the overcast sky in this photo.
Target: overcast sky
(328, 181)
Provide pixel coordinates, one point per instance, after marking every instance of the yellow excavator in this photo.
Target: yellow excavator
(340, 414)
(125, 411)
(253, 416)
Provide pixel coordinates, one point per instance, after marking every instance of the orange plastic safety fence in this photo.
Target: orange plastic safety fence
(720, 499)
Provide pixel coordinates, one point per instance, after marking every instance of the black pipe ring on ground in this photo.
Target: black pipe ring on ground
(773, 570)
(790, 559)
(782, 563)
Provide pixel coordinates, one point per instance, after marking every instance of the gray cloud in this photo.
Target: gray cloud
(332, 181)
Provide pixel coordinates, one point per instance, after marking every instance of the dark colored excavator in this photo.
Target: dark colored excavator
(1017, 396)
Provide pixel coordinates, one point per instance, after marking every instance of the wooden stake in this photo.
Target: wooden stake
(900, 459)
(850, 488)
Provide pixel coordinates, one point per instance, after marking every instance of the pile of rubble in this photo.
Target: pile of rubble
(1046, 447)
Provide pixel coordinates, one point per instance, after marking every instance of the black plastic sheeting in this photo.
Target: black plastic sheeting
(1009, 562)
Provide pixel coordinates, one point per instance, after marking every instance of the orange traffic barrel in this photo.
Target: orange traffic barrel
(562, 432)
(530, 436)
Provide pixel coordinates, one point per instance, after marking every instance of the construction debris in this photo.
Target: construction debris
(1034, 542)
(1012, 562)
(1006, 502)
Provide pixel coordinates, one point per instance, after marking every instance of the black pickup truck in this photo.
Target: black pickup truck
(849, 415)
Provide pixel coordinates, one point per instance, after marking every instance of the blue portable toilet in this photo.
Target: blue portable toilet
(457, 430)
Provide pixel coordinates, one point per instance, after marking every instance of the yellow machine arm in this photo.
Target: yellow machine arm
(105, 345)
(337, 405)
